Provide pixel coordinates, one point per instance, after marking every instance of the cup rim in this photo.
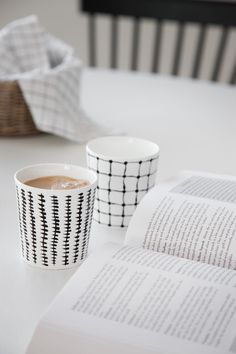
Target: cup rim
(90, 149)
(58, 191)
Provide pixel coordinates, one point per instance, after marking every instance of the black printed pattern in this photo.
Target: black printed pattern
(91, 208)
(66, 245)
(20, 224)
(24, 223)
(78, 226)
(56, 228)
(33, 227)
(44, 230)
(86, 226)
(63, 241)
(121, 186)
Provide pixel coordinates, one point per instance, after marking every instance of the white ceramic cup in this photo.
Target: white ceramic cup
(126, 169)
(54, 224)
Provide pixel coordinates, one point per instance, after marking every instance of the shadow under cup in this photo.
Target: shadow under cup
(126, 169)
(54, 224)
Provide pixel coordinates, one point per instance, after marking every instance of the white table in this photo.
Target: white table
(195, 125)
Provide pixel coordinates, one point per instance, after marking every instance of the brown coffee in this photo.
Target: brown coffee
(57, 182)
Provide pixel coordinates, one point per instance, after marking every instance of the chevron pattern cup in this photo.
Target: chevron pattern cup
(54, 225)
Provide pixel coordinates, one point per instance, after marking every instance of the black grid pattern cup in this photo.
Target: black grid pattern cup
(126, 168)
(54, 224)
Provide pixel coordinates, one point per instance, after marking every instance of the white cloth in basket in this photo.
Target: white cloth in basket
(49, 76)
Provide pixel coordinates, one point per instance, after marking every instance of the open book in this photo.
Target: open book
(170, 289)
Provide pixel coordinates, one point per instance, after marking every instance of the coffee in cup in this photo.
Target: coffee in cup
(57, 182)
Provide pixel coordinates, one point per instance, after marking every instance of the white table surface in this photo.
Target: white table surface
(193, 122)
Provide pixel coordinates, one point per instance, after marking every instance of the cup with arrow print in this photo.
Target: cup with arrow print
(54, 223)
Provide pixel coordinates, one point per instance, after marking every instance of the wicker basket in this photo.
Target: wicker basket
(15, 117)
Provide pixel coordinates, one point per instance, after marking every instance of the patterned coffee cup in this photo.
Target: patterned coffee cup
(126, 169)
(54, 224)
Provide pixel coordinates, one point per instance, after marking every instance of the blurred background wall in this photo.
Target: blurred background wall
(64, 19)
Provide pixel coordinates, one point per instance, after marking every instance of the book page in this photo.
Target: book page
(132, 301)
(193, 216)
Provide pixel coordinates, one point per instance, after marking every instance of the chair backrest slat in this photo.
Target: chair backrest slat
(232, 80)
(220, 53)
(221, 12)
(157, 46)
(135, 46)
(92, 39)
(199, 51)
(114, 41)
(178, 48)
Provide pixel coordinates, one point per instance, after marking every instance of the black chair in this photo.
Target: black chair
(202, 12)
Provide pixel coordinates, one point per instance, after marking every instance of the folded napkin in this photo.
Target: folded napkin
(48, 74)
